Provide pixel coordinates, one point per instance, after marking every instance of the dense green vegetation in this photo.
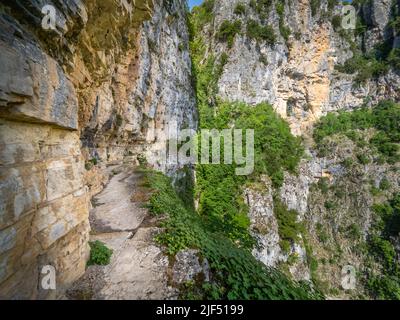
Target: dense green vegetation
(260, 32)
(365, 66)
(236, 273)
(384, 118)
(99, 254)
(220, 226)
(381, 272)
(381, 247)
(203, 13)
(219, 189)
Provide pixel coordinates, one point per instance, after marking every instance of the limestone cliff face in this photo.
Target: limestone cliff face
(297, 75)
(147, 90)
(72, 100)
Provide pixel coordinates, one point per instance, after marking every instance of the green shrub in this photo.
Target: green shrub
(88, 165)
(386, 147)
(394, 58)
(331, 4)
(289, 228)
(219, 188)
(348, 163)
(228, 30)
(395, 24)
(219, 229)
(384, 250)
(388, 221)
(336, 22)
(384, 184)
(91, 163)
(363, 159)
(330, 205)
(99, 254)
(283, 28)
(264, 59)
(118, 120)
(315, 5)
(343, 122)
(240, 9)
(261, 33)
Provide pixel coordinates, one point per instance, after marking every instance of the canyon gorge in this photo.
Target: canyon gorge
(85, 109)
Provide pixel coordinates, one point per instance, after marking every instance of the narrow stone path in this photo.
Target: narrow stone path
(114, 209)
(138, 268)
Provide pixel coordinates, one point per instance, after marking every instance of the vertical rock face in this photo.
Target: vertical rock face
(150, 88)
(163, 91)
(264, 225)
(95, 88)
(297, 75)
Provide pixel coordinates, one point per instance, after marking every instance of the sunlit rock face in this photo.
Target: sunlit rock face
(94, 89)
(297, 75)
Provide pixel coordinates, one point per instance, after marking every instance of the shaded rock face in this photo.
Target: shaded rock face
(377, 16)
(297, 76)
(150, 89)
(97, 87)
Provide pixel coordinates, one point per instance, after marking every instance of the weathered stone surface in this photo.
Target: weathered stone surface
(189, 266)
(377, 15)
(139, 269)
(114, 206)
(45, 94)
(264, 226)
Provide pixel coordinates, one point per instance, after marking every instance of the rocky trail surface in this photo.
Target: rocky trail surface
(138, 268)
